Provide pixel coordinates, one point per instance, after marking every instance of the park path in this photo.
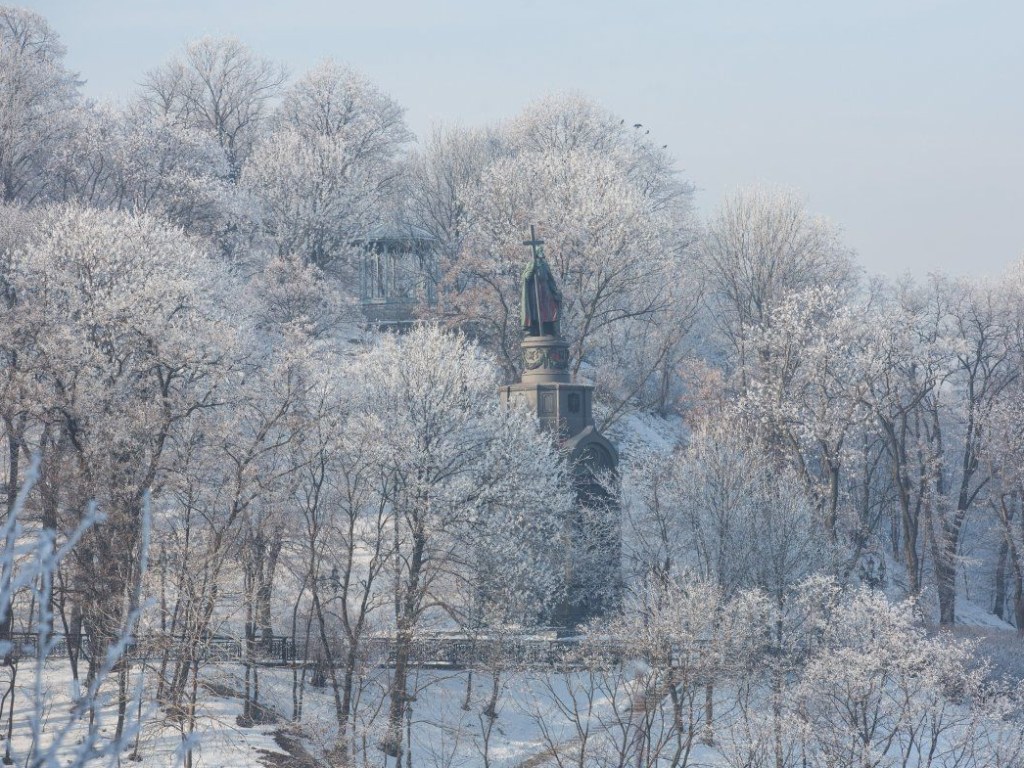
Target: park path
(296, 757)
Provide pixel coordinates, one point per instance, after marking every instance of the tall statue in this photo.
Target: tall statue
(542, 301)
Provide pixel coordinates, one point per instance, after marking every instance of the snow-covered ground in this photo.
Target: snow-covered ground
(534, 713)
(596, 711)
(159, 744)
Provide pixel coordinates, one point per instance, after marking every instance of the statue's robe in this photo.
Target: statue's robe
(542, 301)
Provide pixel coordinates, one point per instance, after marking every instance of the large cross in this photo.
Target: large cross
(533, 242)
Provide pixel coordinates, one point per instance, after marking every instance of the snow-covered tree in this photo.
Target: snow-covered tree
(804, 386)
(325, 176)
(675, 628)
(761, 246)
(460, 473)
(219, 86)
(139, 162)
(293, 299)
(750, 523)
(440, 179)
(129, 336)
(314, 202)
(345, 547)
(882, 693)
(336, 101)
(940, 358)
(37, 94)
(979, 322)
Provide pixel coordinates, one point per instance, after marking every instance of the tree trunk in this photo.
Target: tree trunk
(897, 436)
(910, 556)
(13, 470)
(122, 697)
(946, 588)
(1018, 602)
(709, 715)
(832, 512)
(392, 744)
(1018, 583)
(407, 606)
(946, 546)
(999, 581)
(265, 590)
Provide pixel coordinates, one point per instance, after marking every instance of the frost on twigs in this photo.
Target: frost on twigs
(52, 735)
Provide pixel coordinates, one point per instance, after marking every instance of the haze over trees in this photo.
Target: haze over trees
(203, 439)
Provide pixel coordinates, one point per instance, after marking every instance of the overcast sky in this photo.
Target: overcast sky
(901, 120)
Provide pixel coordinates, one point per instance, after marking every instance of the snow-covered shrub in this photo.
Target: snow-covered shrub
(881, 692)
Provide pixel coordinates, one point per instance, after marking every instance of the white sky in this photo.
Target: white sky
(902, 120)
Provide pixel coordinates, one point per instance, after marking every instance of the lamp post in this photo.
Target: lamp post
(331, 581)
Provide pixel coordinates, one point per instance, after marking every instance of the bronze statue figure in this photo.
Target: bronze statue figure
(542, 301)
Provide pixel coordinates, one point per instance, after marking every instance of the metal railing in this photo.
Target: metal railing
(278, 649)
(437, 651)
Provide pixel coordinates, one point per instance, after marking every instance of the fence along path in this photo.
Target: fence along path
(278, 649)
(457, 652)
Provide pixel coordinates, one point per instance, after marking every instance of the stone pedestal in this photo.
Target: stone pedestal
(562, 407)
(545, 360)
